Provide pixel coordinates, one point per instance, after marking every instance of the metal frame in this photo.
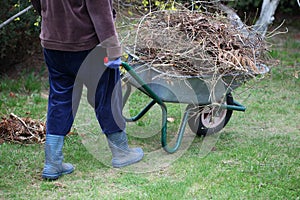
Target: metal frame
(155, 99)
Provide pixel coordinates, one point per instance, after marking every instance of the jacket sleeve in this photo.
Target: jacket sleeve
(36, 5)
(101, 13)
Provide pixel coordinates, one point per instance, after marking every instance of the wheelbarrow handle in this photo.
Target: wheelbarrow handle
(131, 71)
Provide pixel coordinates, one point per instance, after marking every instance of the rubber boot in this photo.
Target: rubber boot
(122, 155)
(54, 167)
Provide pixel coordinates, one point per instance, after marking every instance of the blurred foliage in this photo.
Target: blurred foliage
(18, 39)
(249, 10)
(285, 6)
(135, 7)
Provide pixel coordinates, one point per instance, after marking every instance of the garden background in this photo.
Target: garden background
(257, 155)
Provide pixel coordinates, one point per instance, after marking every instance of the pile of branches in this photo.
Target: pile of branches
(22, 130)
(195, 44)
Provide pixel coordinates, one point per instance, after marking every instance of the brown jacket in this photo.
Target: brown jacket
(77, 25)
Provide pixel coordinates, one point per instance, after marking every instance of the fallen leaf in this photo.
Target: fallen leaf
(11, 94)
(296, 74)
(170, 119)
(59, 185)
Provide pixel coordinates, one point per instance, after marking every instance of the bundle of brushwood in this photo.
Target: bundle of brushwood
(22, 130)
(195, 43)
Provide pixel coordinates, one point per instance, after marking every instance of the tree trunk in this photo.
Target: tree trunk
(261, 26)
(266, 16)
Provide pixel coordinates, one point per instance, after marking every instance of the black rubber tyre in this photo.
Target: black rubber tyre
(209, 119)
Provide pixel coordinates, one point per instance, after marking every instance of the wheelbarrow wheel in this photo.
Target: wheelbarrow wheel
(209, 119)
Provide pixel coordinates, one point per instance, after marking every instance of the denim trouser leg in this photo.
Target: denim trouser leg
(109, 103)
(63, 68)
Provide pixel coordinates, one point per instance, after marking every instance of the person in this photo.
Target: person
(70, 30)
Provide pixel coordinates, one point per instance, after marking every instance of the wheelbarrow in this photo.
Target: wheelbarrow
(208, 98)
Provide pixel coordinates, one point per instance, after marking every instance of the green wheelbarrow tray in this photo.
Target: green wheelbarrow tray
(192, 90)
(201, 90)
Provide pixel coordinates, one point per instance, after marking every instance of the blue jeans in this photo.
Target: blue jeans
(104, 93)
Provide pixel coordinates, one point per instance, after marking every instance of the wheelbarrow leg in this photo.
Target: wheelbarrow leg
(163, 107)
(179, 136)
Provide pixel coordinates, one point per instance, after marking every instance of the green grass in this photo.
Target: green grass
(257, 155)
(23, 95)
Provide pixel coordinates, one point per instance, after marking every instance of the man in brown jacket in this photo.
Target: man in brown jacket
(70, 30)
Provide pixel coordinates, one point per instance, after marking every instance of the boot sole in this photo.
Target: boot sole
(55, 176)
(120, 165)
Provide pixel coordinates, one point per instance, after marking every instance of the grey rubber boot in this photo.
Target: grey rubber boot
(54, 167)
(122, 155)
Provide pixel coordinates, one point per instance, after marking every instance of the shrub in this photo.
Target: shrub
(284, 6)
(19, 38)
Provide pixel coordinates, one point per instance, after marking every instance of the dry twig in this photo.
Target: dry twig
(194, 43)
(22, 130)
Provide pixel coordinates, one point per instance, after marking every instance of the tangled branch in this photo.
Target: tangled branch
(22, 130)
(195, 43)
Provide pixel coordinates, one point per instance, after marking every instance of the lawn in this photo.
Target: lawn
(256, 156)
